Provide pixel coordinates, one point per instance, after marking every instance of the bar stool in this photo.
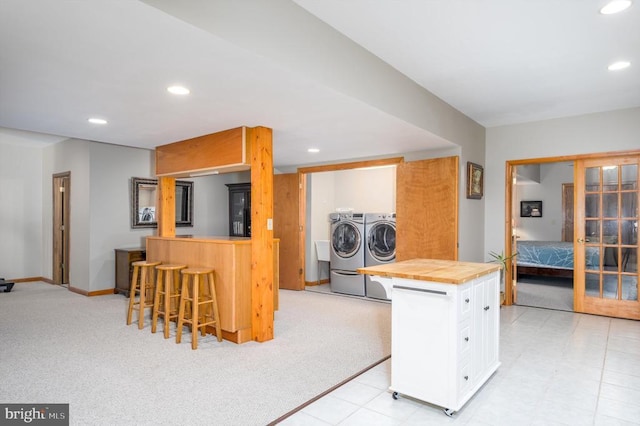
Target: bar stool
(145, 285)
(167, 288)
(204, 306)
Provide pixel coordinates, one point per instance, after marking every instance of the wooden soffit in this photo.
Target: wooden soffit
(222, 152)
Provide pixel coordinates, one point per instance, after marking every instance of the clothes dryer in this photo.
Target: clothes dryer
(380, 248)
(347, 253)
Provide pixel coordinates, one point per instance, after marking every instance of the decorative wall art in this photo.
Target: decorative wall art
(530, 208)
(144, 197)
(475, 181)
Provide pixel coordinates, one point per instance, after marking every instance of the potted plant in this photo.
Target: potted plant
(504, 261)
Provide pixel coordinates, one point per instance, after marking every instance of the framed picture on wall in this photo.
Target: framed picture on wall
(475, 181)
(530, 208)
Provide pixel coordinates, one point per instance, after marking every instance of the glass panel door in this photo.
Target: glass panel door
(606, 246)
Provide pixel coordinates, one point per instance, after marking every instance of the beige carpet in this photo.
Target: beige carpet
(60, 347)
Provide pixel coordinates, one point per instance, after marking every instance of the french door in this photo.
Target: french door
(606, 236)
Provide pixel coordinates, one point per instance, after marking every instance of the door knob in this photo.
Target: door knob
(581, 240)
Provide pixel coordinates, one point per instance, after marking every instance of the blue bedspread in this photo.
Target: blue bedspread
(552, 254)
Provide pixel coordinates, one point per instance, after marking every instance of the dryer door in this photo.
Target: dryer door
(382, 241)
(346, 240)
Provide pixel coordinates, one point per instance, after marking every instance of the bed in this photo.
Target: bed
(550, 258)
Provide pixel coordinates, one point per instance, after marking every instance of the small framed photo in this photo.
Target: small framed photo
(530, 208)
(475, 181)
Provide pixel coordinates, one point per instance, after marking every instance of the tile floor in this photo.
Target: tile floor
(558, 368)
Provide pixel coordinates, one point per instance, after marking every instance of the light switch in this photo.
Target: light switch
(270, 224)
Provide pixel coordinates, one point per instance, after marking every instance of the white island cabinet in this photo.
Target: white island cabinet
(445, 328)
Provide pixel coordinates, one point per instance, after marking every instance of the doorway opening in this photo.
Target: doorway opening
(426, 201)
(543, 234)
(315, 224)
(599, 256)
(61, 227)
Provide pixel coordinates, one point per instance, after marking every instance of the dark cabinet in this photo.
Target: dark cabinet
(124, 271)
(239, 209)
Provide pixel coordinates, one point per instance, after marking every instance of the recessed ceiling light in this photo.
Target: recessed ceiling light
(615, 6)
(620, 65)
(314, 150)
(94, 120)
(178, 90)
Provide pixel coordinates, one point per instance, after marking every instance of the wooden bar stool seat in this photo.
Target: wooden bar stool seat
(143, 287)
(167, 289)
(198, 288)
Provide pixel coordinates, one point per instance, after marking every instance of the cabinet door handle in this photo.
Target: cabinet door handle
(486, 308)
(466, 339)
(466, 378)
(466, 300)
(423, 290)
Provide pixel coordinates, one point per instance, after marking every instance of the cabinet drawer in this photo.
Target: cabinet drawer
(464, 378)
(464, 305)
(136, 256)
(464, 340)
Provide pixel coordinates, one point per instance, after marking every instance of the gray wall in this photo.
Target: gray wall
(109, 207)
(99, 204)
(548, 190)
(585, 134)
(211, 209)
(100, 207)
(21, 225)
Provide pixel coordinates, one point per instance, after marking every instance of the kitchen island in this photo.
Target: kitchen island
(445, 328)
(230, 257)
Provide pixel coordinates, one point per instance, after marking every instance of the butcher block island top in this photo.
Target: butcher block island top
(219, 239)
(441, 271)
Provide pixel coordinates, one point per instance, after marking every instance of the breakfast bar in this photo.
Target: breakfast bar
(230, 257)
(246, 269)
(445, 328)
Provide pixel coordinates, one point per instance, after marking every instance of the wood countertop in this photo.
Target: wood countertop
(441, 271)
(215, 239)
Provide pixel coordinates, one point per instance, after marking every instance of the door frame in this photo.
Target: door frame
(510, 168)
(61, 217)
(302, 208)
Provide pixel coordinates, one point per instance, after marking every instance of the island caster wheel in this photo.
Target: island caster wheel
(449, 412)
(394, 395)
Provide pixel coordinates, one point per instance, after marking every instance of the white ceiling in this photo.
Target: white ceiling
(497, 61)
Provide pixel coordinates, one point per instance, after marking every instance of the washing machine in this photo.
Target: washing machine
(346, 253)
(380, 248)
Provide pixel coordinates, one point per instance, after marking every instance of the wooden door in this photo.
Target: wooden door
(567, 212)
(286, 227)
(606, 231)
(61, 227)
(427, 209)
